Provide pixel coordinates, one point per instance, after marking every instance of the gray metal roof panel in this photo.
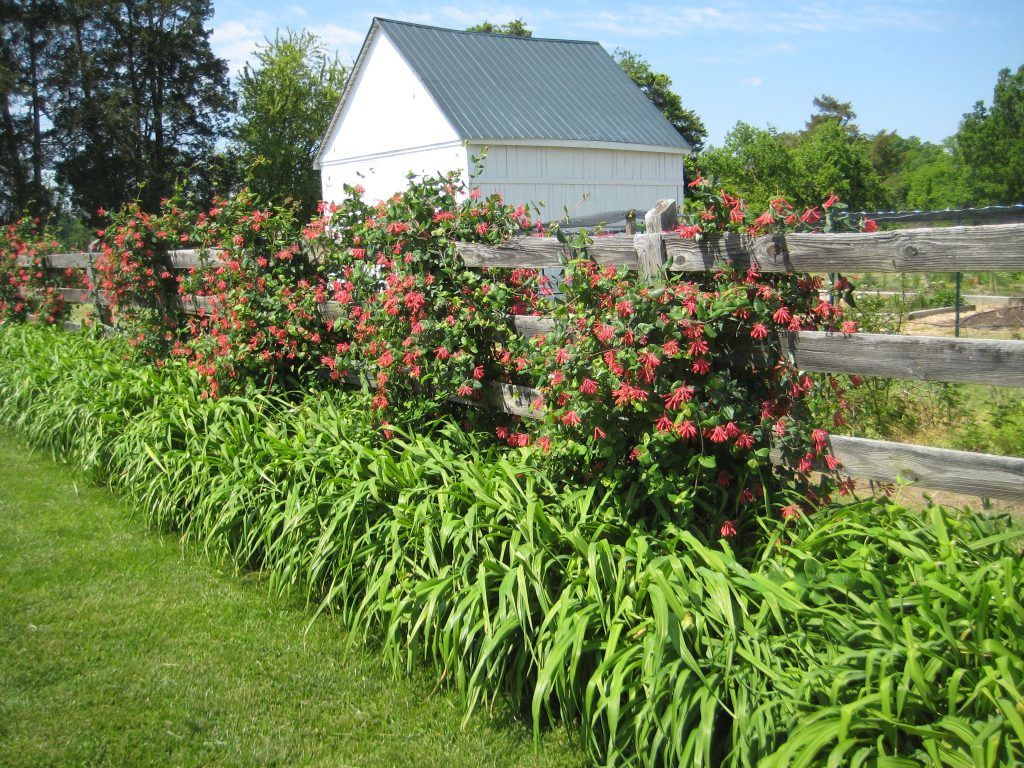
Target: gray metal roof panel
(502, 87)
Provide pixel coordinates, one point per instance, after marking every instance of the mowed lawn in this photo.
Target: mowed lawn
(120, 648)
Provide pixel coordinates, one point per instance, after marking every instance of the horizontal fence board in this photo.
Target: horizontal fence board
(615, 251)
(948, 249)
(508, 398)
(533, 325)
(974, 474)
(941, 469)
(929, 358)
(526, 252)
(70, 260)
(191, 257)
(193, 305)
(84, 296)
(77, 260)
(546, 253)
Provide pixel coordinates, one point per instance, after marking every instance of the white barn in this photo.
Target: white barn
(562, 123)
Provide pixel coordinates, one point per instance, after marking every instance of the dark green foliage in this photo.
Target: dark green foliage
(118, 99)
(830, 160)
(143, 99)
(831, 110)
(865, 635)
(27, 48)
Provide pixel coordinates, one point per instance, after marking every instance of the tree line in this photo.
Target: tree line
(981, 164)
(104, 102)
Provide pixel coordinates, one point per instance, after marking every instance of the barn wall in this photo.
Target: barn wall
(384, 175)
(390, 125)
(560, 177)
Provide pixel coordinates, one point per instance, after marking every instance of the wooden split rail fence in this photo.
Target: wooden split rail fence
(997, 247)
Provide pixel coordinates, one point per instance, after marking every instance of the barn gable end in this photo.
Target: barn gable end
(407, 128)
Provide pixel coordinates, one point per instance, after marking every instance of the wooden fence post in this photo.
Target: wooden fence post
(650, 246)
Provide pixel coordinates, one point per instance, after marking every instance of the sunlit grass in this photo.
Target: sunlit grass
(120, 648)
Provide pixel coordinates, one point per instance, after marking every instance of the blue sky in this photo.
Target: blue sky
(906, 65)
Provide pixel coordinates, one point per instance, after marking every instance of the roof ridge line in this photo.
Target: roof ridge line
(488, 34)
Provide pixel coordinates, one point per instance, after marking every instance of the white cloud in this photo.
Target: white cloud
(754, 82)
(345, 40)
(235, 41)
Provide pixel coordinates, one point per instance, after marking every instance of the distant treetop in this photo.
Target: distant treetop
(515, 28)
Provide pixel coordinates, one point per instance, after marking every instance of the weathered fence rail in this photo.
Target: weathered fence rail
(994, 247)
(953, 249)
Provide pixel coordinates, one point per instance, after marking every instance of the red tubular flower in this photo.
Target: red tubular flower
(759, 331)
(686, 430)
(792, 512)
(680, 395)
(728, 529)
(782, 315)
(599, 433)
(811, 216)
(718, 435)
(571, 419)
(588, 387)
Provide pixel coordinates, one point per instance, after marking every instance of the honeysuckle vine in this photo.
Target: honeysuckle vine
(674, 388)
(28, 289)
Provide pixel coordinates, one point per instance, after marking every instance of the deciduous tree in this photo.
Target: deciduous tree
(990, 144)
(285, 102)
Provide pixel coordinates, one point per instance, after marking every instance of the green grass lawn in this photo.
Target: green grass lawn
(119, 648)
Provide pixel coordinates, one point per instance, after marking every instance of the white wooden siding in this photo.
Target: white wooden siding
(583, 179)
(385, 174)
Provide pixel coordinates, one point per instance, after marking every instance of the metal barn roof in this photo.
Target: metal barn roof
(520, 88)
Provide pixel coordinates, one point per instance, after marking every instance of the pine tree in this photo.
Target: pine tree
(142, 99)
